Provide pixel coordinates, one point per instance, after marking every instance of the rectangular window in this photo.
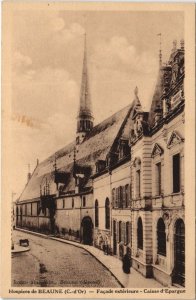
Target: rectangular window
(158, 179)
(138, 184)
(176, 173)
(116, 198)
(84, 202)
(120, 231)
(38, 208)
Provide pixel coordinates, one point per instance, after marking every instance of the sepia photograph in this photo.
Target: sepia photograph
(96, 140)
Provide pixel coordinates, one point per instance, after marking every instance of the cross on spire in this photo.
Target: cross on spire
(160, 49)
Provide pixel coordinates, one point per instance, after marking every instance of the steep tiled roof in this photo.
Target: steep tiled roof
(95, 147)
(156, 99)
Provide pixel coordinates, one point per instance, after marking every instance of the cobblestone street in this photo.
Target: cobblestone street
(49, 263)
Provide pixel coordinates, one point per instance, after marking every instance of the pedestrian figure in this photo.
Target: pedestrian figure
(126, 264)
(106, 247)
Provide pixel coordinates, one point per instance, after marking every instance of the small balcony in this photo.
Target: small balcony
(167, 201)
(139, 203)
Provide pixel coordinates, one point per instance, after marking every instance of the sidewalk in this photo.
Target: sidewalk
(113, 264)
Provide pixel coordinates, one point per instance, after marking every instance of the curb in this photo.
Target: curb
(72, 244)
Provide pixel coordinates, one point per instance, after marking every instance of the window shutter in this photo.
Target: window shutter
(123, 196)
(117, 231)
(119, 189)
(130, 234)
(124, 233)
(130, 195)
(116, 198)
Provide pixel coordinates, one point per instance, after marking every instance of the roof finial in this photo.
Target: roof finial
(55, 166)
(74, 157)
(182, 44)
(174, 45)
(160, 50)
(136, 91)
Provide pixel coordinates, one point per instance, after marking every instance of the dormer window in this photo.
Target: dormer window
(123, 148)
(77, 140)
(100, 165)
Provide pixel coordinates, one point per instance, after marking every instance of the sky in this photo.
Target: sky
(47, 55)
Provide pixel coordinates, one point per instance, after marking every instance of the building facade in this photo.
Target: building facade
(119, 186)
(157, 173)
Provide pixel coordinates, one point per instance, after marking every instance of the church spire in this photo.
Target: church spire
(85, 117)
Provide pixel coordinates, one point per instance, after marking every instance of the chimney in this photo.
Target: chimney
(158, 114)
(29, 173)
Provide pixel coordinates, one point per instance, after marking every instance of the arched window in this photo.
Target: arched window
(137, 164)
(140, 234)
(161, 237)
(96, 213)
(107, 213)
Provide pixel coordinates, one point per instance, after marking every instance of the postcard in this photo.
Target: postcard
(98, 150)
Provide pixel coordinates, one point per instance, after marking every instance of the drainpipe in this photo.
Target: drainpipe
(111, 227)
(80, 219)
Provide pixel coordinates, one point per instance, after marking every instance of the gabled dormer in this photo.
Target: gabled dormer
(140, 120)
(157, 150)
(174, 139)
(100, 165)
(123, 148)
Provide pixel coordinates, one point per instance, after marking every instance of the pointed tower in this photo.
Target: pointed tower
(156, 104)
(85, 117)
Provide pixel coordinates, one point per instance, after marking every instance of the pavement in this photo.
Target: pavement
(113, 264)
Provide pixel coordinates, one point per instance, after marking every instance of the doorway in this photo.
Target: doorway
(87, 231)
(114, 238)
(179, 253)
